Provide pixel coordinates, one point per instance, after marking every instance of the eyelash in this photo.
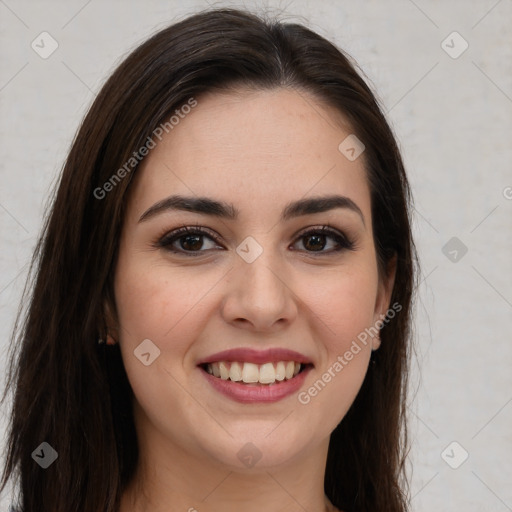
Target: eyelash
(166, 241)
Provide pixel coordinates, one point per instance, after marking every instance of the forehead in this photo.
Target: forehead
(254, 148)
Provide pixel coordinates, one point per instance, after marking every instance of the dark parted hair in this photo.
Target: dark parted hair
(74, 394)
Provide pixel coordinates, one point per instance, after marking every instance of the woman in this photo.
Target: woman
(221, 310)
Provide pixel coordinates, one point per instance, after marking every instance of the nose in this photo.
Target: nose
(259, 295)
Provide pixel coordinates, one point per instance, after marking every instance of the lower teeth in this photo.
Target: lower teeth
(256, 383)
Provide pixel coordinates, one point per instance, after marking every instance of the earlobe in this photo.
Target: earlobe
(110, 340)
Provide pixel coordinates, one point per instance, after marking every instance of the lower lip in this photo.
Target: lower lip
(247, 393)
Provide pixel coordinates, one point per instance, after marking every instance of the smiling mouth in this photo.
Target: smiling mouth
(255, 374)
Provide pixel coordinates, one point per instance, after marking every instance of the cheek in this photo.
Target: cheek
(344, 306)
(345, 302)
(153, 304)
(170, 307)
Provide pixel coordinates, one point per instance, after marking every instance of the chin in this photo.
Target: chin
(258, 448)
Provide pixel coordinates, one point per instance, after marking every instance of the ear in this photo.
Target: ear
(110, 316)
(384, 292)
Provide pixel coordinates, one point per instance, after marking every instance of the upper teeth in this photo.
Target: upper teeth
(266, 373)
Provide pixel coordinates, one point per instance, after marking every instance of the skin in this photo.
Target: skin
(258, 150)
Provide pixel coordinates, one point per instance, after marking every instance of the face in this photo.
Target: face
(262, 280)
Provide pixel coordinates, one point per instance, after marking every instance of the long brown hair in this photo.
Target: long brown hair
(71, 392)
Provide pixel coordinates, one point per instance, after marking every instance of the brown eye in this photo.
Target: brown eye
(191, 242)
(315, 240)
(187, 241)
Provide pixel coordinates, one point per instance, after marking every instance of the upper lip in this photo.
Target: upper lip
(248, 355)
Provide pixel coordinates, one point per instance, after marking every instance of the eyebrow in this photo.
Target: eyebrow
(219, 209)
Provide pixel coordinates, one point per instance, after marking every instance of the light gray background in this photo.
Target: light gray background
(453, 120)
